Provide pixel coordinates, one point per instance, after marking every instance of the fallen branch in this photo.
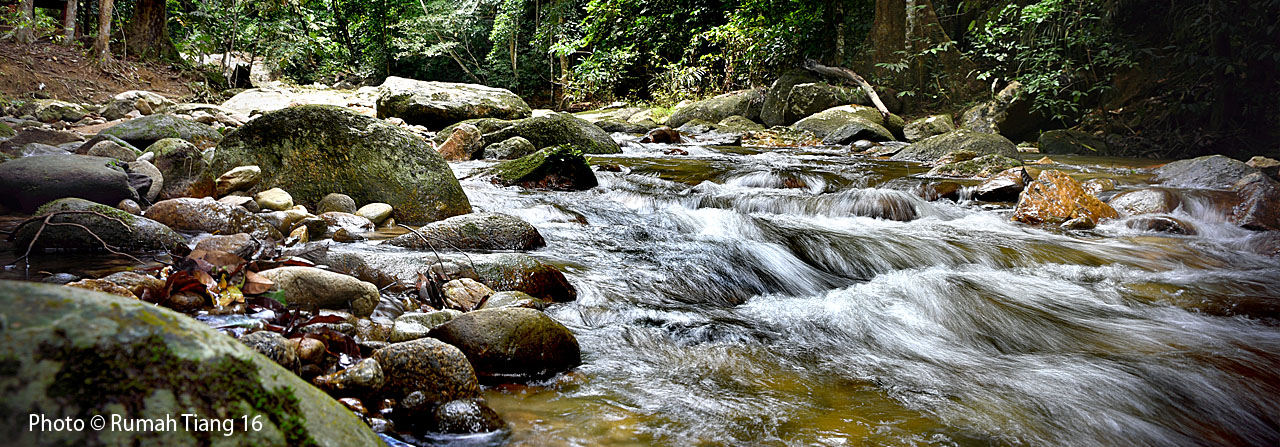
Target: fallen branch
(47, 222)
(847, 74)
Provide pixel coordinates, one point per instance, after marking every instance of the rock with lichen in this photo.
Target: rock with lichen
(85, 225)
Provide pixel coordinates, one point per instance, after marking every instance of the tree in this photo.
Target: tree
(102, 45)
(906, 39)
(69, 22)
(26, 32)
(147, 33)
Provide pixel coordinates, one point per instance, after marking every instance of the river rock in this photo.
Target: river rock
(28, 182)
(121, 230)
(500, 271)
(185, 170)
(1002, 187)
(245, 202)
(980, 167)
(130, 206)
(512, 343)
(513, 299)
(550, 130)
(1268, 166)
(274, 199)
(745, 103)
(314, 150)
(136, 283)
(305, 287)
(465, 294)
(439, 104)
(80, 353)
(415, 325)
(1210, 171)
(1145, 201)
(773, 109)
(1160, 224)
(739, 124)
(51, 137)
(558, 168)
(364, 377)
(145, 168)
(209, 216)
(275, 347)
(1067, 141)
(1055, 197)
(437, 370)
(510, 148)
(377, 213)
(827, 122)
(336, 202)
(146, 103)
(1259, 207)
(111, 149)
(928, 126)
(520, 272)
(1008, 113)
(352, 223)
(463, 143)
(52, 110)
(476, 231)
(238, 179)
(145, 131)
(933, 148)
(1098, 186)
(616, 126)
(465, 416)
(239, 244)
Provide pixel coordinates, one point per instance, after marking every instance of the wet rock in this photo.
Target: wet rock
(615, 126)
(1210, 171)
(513, 299)
(52, 110)
(1067, 141)
(928, 126)
(500, 271)
(980, 167)
(1002, 187)
(13, 145)
(466, 416)
(27, 183)
(351, 223)
(239, 178)
(209, 216)
(129, 206)
(369, 330)
(37, 149)
(512, 343)
(827, 122)
(415, 325)
(510, 148)
(439, 104)
(150, 171)
(1080, 223)
(857, 129)
(549, 130)
(336, 202)
(305, 287)
(1055, 197)
(1008, 114)
(1097, 186)
(114, 351)
(1160, 224)
(1259, 207)
(145, 131)
(275, 347)
(376, 212)
(146, 103)
(285, 221)
(1146, 201)
(274, 199)
(241, 201)
(239, 244)
(739, 124)
(186, 172)
(103, 286)
(379, 162)
(663, 135)
(437, 370)
(111, 149)
(364, 377)
(1268, 166)
(476, 231)
(136, 283)
(559, 168)
(121, 230)
(60, 278)
(745, 103)
(310, 350)
(933, 148)
(463, 143)
(465, 294)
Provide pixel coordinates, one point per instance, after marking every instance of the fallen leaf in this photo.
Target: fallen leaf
(255, 284)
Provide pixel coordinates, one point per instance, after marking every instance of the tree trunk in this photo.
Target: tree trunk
(147, 33)
(26, 32)
(102, 45)
(69, 22)
(902, 29)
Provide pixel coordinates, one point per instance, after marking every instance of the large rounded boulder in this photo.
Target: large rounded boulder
(437, 370)
(145, 131)
(1210, 171)
(512, 343)
(314, 150)
(439, 104)
(28, 182)
(79, 353)
(476, 231)
(932, 148)
(744, 103)
(104, 224)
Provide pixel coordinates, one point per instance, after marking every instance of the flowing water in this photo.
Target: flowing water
(769, 297)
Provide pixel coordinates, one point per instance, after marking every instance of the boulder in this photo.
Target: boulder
(1160, 224)
(773, 110)
(437, 370)
(524, 273)
(1146, 201)
(13, 146)
(476, 231)
(275, 347)
(274, 199)
(314, 150)
(1210, 171)
(151, 172)
(111, 149)
(858, 129)
(500, 271)
(558, 168)
(80, 353)
(243, 202)
(52, 110)
(980, 167)
(465, 294)
(239, 244)
(305, 287)
(745, 103)
(551, 130)
(828, 121)
(121, 230)
(512, 343)
(463, 144)
(363, 378)
(146, 103)
(186, 172)
(1054, 197)
(1268, 166)
(415, 325)
(439, 104)
(740, 124)
(376, 212)
(238, 179)
(465, 416)
(336, 202)
(508, 149)
(1008, 113)
(28, 182)
(352, 223)
(1002, 187)
(210, 216)
(1067, 141)
(928, 126)
(513, 299)
(933, 148)
(1259, 207)
(145, 131)
(809, 98)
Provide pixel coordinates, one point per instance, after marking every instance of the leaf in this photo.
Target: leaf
(278, 296)
(255, 284)
(230, 295)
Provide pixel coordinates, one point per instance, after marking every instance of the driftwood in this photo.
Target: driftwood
(847, 74)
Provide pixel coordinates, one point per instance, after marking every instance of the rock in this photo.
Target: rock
(1055, 197)
(312, 151)
(1002, 187)
(512, 299)
(664, 135)
(465, 294)
(129, 206)
(500, 271)
(1210, 171)
(1080, 223)
(145, 102)
(512, 343)
(209, 216)
(275, 347)
(239, 178)
(256, 101)
(336, 202)
(311, 350)
(773, 110)
(285, 221)
(439, 104)
(415, 325)
(857, 129)
(364, 377)
(27, 183)
(1268, 166)
(981, 167)
(928, 126)
(239, 244)
(1008, 114)
(1160, 224)
(1097, 186)
(350, 222)
(1145, 201)
(510, 148)
(1259, 207)
(827, 122)
(558, 168)
(150, 171)
(243, 202)
(36, 149)
(376, 212)
(274, 199)
(111, 149)
(103, 286)
(114, 354)
(549, 130)
(145, 131)
(463, 144)
(13, 145)
(740, 124)
(465, 416)
(437, 370)
(744, 103)
(1066, 141)
(6, 131)
(186, 172)
(933, 148)
(136, 283)
(305, 287)
(60, 278)
(614, 126)
(121, 230)
(52, 110)
(476, 231)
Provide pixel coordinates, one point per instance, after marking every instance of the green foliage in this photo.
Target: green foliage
(44, 24)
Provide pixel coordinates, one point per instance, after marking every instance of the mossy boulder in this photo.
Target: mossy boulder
(510, 148)
(773, 110)
(476, 231)
(145, 131)
(79, 353)
(307, 287)
(809, 98)
(867, 120)
(28, 182)
(437, 370)
(6, 131)
(1067, 141)
(560, 168)
(52, 110)
(121, 230)
(921, 128)
(740, 124)
(314, 150)
(980, 167)
(1009, 113)
(545, 131)
(512, 343)
(185, 171)
(746, 103)
(933, 148)
(210, 216)
(439, 104)
(1210, 171)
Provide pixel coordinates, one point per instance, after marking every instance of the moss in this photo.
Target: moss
(6, 131)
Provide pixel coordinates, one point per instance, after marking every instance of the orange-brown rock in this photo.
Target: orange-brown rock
(462, 144)
(1055, 197)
